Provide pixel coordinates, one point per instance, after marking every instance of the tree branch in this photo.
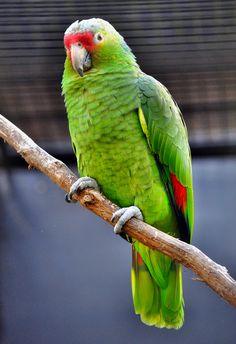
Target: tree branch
(213, 274)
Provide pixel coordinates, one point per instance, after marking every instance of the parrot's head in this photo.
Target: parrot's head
(94, 43)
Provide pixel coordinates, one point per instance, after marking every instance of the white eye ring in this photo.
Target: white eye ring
(98, 37)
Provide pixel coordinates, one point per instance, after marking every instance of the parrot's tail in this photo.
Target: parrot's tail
(157, 289)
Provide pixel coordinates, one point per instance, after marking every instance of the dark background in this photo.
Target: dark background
(64, 276)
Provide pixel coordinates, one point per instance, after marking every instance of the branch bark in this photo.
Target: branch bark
(208, 271)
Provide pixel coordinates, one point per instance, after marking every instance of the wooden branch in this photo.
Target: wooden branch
(213, 274)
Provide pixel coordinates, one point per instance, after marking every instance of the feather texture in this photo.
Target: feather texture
(128, 134)
(167, 135)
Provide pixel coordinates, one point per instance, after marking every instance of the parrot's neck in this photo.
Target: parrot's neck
(113, 69)
(103, 95)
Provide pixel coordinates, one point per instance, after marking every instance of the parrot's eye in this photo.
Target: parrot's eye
(98, 37)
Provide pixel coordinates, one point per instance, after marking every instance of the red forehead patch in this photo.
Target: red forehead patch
(85, 38)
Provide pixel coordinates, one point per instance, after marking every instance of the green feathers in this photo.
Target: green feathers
(128, 134)
(167, 131)
(167, 136)
(160, 306)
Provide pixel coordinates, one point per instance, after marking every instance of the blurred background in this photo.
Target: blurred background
(64, 276)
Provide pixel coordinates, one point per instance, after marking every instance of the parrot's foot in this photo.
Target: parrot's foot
(81, 184)
(123, 215)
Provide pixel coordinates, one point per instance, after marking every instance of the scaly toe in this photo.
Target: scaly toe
(81, 184)
(123, 215)
(117, 214)
(68, 198)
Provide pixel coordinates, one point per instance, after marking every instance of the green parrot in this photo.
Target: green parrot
(131, 143)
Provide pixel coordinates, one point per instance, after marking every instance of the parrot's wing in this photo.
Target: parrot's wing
(164, 127)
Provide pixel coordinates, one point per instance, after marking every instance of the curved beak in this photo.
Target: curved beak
(80, 59)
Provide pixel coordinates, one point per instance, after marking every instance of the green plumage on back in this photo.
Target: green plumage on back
(129, 135)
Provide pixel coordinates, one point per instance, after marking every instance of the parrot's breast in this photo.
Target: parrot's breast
(112, 148)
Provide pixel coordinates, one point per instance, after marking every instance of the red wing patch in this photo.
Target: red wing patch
(139, 259)
(179, 192)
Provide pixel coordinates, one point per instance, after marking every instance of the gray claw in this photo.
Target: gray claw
(123, 215)
(81, 184)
